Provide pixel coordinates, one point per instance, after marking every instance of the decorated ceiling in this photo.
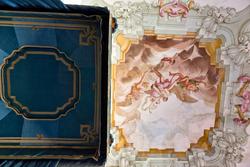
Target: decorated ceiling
(179, 83)
(224, 3)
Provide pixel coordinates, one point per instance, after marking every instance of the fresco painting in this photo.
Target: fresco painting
(165, 93)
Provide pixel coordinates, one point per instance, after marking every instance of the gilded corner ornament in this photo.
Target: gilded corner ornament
(88, 36)
(88, 134)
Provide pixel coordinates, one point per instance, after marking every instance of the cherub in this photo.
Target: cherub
(244, 94)
(160, 90)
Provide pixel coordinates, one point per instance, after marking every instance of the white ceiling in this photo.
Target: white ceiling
(237, 4)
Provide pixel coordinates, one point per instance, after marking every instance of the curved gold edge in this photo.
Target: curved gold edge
(38, 141)
(46, 13)
(27, 157)
(57, 59)
(51, 18)
(210, 48)
(31, 138)
(90, 17)
(48, 147)
(96, 116)
(21, 57)
(95, 156)
(38, 25)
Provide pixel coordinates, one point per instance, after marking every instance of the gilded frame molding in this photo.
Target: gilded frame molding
(71, 67)
(210, 47)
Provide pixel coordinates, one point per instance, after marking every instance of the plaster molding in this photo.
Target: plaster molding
(227, 151)
(208, 22)
(130, 15)
(214, 17)
(125, 157)
(240, 54)
(230, 146)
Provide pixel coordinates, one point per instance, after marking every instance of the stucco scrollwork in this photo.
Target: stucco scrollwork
(196, 159)
(124, 157)
(214, 17)
(227, 143)
(230, 145)
(240, 53)
(227, 151)
(129, 15)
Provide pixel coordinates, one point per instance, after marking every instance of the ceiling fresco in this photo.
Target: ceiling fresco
(179, 83)
(166, 93)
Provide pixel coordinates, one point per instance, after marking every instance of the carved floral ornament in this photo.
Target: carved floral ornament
(208, 23)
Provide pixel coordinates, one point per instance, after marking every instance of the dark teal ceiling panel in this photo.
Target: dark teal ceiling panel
(53, 84)
(40, 82)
